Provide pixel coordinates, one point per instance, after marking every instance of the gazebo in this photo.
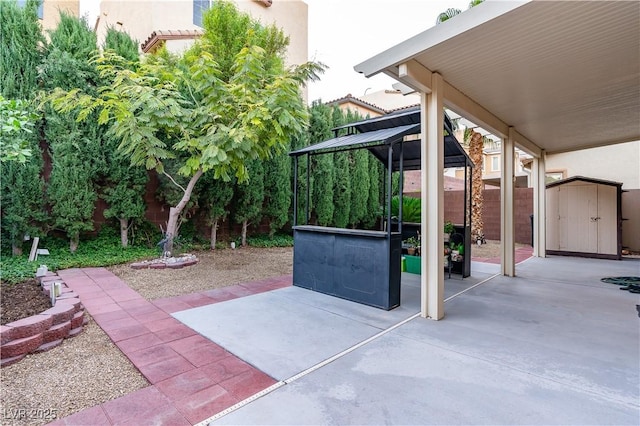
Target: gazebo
(364, 265)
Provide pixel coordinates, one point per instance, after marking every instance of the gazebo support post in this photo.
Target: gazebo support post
(295, 190)
(507, 227)
(401, 189)
(308, 207)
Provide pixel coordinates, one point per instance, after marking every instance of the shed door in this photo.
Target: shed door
(607, 219)
(581, 217)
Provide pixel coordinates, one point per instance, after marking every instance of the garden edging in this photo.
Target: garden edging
(39, 333)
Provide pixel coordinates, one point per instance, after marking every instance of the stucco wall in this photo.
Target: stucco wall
(618, 163)
(51, 11)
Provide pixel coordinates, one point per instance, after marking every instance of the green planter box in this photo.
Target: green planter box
(413, 264)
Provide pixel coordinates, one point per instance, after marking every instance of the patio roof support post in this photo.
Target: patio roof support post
(432, 165)
(295, 191)
(507, 225)
(539, 206)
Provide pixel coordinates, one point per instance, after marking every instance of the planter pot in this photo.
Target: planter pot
(413, 264)
(411, 251)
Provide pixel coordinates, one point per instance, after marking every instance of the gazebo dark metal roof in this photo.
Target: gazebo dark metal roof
(376, 134)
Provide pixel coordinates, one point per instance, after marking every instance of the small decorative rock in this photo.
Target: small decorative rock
(167, 262)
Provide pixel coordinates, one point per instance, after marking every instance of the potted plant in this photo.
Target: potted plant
(448, 230)
(412, 244)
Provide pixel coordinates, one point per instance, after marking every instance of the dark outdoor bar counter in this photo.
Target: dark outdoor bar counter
(358, 265)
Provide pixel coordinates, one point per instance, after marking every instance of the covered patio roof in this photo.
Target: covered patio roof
(564, 74)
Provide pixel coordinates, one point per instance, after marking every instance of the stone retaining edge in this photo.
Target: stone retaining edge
(41, 332)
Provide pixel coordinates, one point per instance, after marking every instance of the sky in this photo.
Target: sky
(343, 33)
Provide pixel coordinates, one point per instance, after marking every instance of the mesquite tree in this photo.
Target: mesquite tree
(21, 184)
(187, 108)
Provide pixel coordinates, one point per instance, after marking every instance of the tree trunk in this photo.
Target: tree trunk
(16, 249)
(245, 224)
(74, 242)
(475, 153)
(124, 234)
(174, 212)
(214, 234)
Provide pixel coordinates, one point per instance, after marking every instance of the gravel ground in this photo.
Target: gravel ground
(81, 372)
(89, 369)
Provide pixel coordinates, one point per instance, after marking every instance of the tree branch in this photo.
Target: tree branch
(174, 182)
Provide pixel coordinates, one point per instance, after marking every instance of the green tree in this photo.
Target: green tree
(374, 202)
(185, 108)
(77, 154)
(22, 45)
(298, 142)
(215, 197)
(359, 186)
(249, 196)
(342, 191)
(16, 123)
(277, 191)
(320, 125)
(21, 184)
(124, 185)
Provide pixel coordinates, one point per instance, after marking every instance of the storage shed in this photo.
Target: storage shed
(584, 218)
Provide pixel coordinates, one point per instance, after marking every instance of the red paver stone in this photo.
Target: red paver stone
(7, 334)
(206, 403)
(102, 309)
(135, 404)
(118, 323)
(168, 415)
(151, 317)
(46, 346)
(122, 295)
(94, 416)
(78, 319)
(110, 316)
(67, 295)
(139, 342)
(29, 326)
(151, 355)
(165, 369)
(157, 266)
(127, 332)
(174, 332)
(170, 305)
(135, 303)
(21, 346)
(205, 355)
(177, 265)
(185, 384)
(162, 324)
(57, 332)
(248, 383)
(227, 368)
(92, 294)
(97, 302)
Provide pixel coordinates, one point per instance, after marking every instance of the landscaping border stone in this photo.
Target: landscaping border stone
(39, 333)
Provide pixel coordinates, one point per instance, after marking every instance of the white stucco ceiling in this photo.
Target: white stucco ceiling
(565, 74)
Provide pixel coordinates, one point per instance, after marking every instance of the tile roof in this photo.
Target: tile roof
(163, 35)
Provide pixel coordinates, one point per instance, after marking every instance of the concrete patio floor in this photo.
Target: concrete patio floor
(551, 346)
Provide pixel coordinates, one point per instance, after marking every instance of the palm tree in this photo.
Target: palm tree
(475, 142)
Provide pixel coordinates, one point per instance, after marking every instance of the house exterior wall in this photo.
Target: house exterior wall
(51, 11)
(618, 163)
(140, 18)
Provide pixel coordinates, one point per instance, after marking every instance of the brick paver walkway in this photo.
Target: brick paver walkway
(191, 377)
(522, 253)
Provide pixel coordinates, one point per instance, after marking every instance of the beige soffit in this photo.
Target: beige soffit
(564, 74)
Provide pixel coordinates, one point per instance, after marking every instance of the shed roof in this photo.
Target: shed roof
(583, 179)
